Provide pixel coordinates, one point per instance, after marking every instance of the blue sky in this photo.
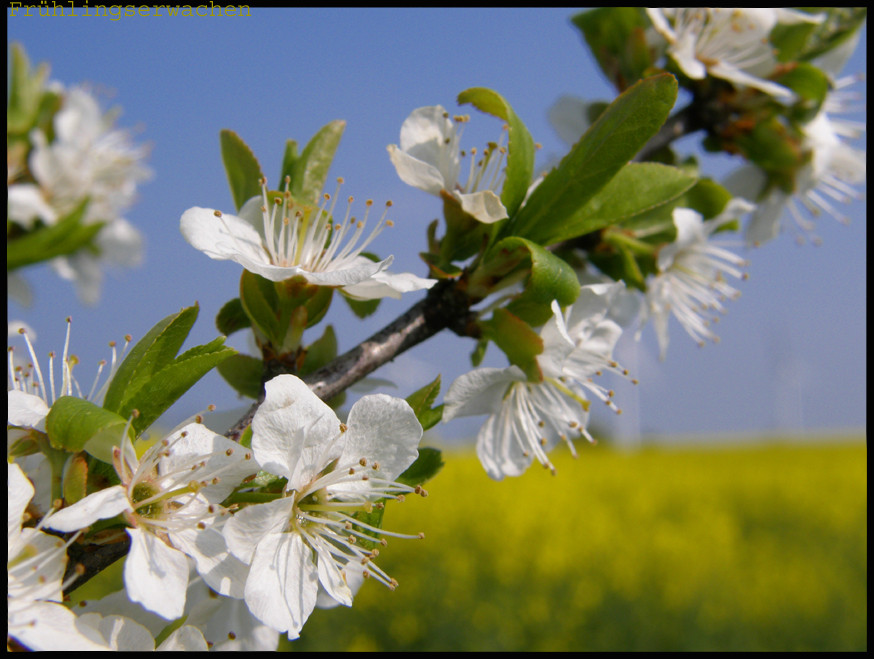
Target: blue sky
(793, 348)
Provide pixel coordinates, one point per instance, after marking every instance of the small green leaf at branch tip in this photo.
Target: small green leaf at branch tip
(517, 340)
(555, 210)
(421, 402)
(426, 466)
(242, 167)
(232, 317)
(549, 278)
(65, 237)
(75, 424)
(310, 169)
(243, 373)
(151, 353)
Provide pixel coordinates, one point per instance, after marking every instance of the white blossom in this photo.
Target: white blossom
(87, 158)
(691, 280)
(528, 419)
(35, 565)
(284, 239)
(429, 159)
(829, 179)
(310, 540)
(731, 43)
(170, 498)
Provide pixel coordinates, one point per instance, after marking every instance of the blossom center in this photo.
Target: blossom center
(304, 235)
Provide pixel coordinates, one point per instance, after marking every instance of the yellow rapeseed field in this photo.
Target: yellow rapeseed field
(753, 548)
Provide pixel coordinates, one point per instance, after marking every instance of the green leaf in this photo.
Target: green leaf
(550, 279)
(520, 147)
(232, 318)
(76, 479)
(804, 41)
(617, 38)
(75, 424)
(707, 197)
(810, 84)
(26, 89)
(362, 308)
(152, 377)
(67, 236)
(636, 189)
(426, 466)
(109, 580)
(166, 386)
(319, 352)
(618, 134)
(421, 402)
(243, 373)
(260, 301)
(242, 167)
(289, 161)
(518, 341)
(311, 170)
(151, 353)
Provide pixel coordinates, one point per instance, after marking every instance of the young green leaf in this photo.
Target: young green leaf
(426, 466)
(243, 373)
(166, 386)
(550, 279)
(75, 424)
(67, 236)
(319, 352)
(151, 353)
(636, 189)
(617, 38)
(518, 341)
(421, 402)
(618, 134)
(243, 170)
(232, 317)
(311, 169)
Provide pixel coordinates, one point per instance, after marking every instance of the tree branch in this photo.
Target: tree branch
(445, 306)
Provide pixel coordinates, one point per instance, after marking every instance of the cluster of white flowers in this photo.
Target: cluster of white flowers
(230, 544)
(264, 565)
(87, 158)
(528, 419)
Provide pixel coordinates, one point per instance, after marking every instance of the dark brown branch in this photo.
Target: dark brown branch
(445, 306)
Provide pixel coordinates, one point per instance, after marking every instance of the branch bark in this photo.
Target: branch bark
(446, 306)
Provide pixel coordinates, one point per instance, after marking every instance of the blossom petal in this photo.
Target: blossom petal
(293, 431)
(499, 448)
(102, 504)
(429, 135)
(45, 626)
(414, 172)
(223, 572)
(223, 238)
(20, 492)
(485, 206)
(156, 575)
(387, 284)
(197, 444)
(246, 528)
(283, 583)
(479, 392)
(385, 430)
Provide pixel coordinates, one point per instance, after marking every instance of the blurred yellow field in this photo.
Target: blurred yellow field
(672, 549)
